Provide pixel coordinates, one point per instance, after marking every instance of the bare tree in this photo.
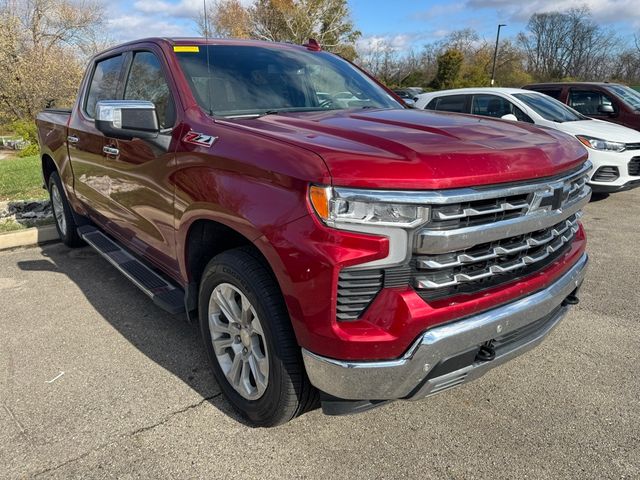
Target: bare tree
(568, 45)
(42, 49)
(327, 21)
(224, 18)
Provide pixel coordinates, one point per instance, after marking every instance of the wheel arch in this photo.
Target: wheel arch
(48, 167)
(206, 238)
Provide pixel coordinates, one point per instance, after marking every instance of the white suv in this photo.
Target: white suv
(613, 149)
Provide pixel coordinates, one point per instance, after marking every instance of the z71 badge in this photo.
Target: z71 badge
(199, 139)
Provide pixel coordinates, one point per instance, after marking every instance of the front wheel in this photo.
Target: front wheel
(250, 342)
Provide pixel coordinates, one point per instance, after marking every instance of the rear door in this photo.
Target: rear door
(86, 142)
(141, 193)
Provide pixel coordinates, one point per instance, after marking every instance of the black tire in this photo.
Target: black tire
(288, 392)
(69, 231)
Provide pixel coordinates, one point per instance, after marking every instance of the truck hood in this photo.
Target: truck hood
(421, 149)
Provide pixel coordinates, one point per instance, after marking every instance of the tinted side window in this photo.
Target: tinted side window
(587, 102)
(452, 103)
(147, 82)
(432, 104)
(104, 83)
(496, 107)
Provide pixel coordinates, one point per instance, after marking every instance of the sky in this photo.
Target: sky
(406, 24)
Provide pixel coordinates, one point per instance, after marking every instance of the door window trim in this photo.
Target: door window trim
(85, 99)
(163, 69)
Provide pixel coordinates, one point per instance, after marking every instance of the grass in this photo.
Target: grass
(10, 225)
(21, 179)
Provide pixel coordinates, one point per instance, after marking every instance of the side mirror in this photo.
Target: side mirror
(509, 116)
(607, 109)
(127, 119)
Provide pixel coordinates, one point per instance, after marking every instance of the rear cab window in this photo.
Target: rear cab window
(104, 83)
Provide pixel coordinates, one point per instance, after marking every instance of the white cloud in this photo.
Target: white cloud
(437, 11)
(182, 8)
(129, 27)
(604, 11)
(400, 42)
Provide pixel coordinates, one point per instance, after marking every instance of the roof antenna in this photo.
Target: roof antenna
(206, 46)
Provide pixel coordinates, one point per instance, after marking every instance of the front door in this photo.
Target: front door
(140, 191)
(592, 102)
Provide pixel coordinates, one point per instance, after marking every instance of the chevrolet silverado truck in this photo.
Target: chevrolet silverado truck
(336, 248)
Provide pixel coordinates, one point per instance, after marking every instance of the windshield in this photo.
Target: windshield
(549, 108)
(628, 95)
(252, 80)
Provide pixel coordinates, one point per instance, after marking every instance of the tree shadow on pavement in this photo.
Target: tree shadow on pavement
(168, 340)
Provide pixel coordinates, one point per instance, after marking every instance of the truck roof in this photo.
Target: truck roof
(206, 41)
(560, 84)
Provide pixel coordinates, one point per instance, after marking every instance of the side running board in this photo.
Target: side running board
(163, 293)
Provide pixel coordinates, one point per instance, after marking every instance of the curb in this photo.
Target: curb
(28, 237)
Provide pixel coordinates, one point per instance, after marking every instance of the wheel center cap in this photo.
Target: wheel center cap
(245, 337)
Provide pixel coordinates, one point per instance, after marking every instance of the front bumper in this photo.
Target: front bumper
(621, 161)
(446, 356)
(602, 188)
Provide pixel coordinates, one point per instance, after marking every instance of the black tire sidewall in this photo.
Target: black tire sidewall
(70, 238)
(266, 410)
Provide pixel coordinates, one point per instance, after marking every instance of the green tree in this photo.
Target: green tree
(449, 66)
(42, 48)
(327, 21)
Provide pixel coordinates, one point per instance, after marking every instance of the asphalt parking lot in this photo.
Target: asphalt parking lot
(97, 382)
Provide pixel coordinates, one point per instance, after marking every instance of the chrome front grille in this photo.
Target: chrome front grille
(485, 207)
(497, 258)
(496, 236)
(474, 239)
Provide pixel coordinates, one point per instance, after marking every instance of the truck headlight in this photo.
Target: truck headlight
(342, 207)
(599, 144)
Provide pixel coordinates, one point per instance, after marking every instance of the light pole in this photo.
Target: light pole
(495, 54)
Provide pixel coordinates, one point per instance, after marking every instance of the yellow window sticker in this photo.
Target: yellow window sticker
(186, 48)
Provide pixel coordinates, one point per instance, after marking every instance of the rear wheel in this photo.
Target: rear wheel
(65, 223)
(250, 342)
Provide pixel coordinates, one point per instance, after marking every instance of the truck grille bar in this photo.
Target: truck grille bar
(476, 238)
(494, 259)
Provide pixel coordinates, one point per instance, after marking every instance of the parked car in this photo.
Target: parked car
(613, 149)
(612, 102)
(351, 255)
(407, 96)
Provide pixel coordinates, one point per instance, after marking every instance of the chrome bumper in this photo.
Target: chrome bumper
(515, 328)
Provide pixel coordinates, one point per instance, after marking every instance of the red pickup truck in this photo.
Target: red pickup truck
(334, 246)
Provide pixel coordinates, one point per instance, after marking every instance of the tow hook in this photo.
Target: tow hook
(572, 299)
(486, 352)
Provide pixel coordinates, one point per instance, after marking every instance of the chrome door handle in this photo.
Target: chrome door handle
(72, 139)
(111, 151)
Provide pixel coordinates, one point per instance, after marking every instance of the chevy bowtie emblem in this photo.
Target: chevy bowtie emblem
(200, 139)
(552, 197)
